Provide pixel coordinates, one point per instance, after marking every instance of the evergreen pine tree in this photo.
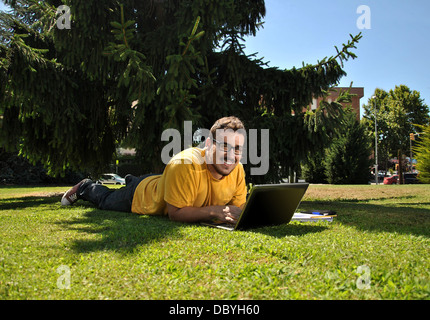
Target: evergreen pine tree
(313, 170)
(348, 158)
(69, 95)
(422, 154)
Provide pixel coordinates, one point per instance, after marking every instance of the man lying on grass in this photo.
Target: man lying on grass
(197, 185)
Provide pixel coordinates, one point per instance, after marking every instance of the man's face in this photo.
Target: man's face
(224, 152)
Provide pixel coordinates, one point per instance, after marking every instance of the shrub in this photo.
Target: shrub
(422, 154)
(348, 158)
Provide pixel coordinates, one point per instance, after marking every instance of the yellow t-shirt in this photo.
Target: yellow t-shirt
(187, 182)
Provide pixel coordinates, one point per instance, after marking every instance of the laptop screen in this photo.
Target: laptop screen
(271, 205)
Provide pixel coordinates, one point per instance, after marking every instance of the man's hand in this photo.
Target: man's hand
(231, 214)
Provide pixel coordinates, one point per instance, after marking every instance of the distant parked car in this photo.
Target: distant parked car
(391, 180)
(409, 178)
(111, 178)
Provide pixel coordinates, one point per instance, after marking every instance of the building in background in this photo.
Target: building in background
(357, 92)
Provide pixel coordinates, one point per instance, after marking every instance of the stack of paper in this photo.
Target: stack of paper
(304, 217)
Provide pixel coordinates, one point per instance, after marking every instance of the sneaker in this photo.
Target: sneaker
(71, 195)
(128, 178)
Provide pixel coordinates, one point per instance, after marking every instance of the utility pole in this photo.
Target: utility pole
(400, 171)
(411, 137)
(376, 145)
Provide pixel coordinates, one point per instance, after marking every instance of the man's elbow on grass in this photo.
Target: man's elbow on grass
(173, 213)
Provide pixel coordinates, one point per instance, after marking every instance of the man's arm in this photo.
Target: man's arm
(226, 214)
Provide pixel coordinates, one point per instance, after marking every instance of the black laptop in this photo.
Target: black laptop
(268, 205)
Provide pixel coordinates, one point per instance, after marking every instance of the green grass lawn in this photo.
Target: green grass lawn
(377, 248)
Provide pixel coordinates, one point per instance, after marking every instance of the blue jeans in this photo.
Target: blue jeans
(111, 199)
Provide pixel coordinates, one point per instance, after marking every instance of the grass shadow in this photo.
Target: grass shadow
(117, 231)
(27, 202)
(290, 229)
(98, 229)
(403, 218)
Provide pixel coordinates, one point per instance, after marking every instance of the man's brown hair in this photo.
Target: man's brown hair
(232, 123)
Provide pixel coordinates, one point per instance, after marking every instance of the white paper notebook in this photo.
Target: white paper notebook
(304, 217)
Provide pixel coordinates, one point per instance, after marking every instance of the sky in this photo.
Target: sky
(394, 50)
